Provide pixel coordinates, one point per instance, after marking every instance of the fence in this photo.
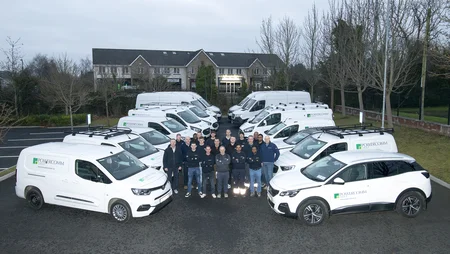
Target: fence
(399, 120)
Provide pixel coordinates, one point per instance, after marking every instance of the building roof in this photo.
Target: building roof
(104, 56)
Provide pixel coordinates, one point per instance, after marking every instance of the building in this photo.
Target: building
(180, 67)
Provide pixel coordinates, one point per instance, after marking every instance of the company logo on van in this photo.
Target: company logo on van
(41, 161)
(132, 124)
(316, 114)
(371, 144)
(124, 124)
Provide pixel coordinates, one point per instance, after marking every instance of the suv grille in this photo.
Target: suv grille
(272, 191)
(206, 132)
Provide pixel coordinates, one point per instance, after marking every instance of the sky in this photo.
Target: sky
(74, 27)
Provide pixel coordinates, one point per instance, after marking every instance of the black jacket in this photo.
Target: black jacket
(208, 162)
(179, 143)
(238, 160)
(201, 150)
(215, 150)
(172, 159)
(192, 159)
(225, 141)
(243, 143)
(185, 149)
(254, 161)
(230, 149)
(210, 142)
(248, 148)
(223, 162)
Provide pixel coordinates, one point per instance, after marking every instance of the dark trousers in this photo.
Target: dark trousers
(222, 182)
(172, 174)
(238, 178)
(185, 174)
(209, 177)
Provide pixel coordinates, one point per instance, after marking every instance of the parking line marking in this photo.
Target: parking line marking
(13, 147)
(45, 133)
(10, 156)
(34, 139)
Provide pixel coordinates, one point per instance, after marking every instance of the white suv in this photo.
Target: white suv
(351, 182)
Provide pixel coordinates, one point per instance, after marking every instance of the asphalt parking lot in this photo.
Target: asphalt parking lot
(234, 225)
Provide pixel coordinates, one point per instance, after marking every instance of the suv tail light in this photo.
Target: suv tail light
(426, 174)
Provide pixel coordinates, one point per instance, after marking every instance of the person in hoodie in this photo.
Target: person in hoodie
(207, 163)
(216, 148)
(201, 152)
(172, 162)
(238, 160)
(184, 149)
(193, 162)
(269, 154)
(254, 163)
(223, 161)
(226, 139)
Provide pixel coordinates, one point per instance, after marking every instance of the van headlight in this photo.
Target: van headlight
(141, 192)
(236, 115)
(209, 123)
(249, 129)
(286, 168)
(195, 129)
(290, 193)
(156, 167)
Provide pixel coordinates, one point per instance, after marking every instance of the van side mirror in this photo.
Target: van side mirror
(338, 180)
(264, 123)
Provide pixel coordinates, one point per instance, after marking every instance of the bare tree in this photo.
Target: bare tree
(151, 80)
(108, 87)
(267, 42)
(288, 42)
(6, 119)
(13, 64)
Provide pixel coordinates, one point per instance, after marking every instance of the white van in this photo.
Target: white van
(320, 145)
(96, 178)
(120, 138)
(181, 114)
(162, 123)
(207, 105)
(259, 101)
(273, 115)
(242, 103)
(290, 127)
(154, 137)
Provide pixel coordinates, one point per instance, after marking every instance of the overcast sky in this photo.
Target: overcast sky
(54, 27)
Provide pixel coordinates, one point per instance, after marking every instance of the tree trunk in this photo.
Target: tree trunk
(67, 110)
(311, 92)
(107, 111)
(360, 98)
(332, 97)
(71, 119)
(389, 110)
(343, 100)
(16, 103)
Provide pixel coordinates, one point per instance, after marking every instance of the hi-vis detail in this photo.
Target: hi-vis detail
(368, 145)
(41, 161)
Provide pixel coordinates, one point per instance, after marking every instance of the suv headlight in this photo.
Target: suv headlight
(141, 192)
(195, 129)
(156, 167)
(249, 129)
(290, 193)
(286, 168)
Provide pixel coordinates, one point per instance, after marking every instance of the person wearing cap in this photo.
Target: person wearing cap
(193, 162)
(269, 155)
(223, 161)
(172, 162)
(254, 163)
(208, 175)
(226, 139)
(238, 161)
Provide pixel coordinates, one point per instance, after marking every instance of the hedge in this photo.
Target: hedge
(52, 120)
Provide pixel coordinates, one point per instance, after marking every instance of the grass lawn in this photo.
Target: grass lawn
(7, 171)
(102, 121)
(432, 114)
(429, 149)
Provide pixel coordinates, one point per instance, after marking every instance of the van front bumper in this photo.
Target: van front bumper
(280, 207)
(142, 208)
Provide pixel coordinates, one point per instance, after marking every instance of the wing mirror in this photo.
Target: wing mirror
(338, 180)
(264, 123)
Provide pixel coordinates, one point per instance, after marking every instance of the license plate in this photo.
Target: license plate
(164, 198)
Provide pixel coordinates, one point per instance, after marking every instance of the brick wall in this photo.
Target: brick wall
(402, 121)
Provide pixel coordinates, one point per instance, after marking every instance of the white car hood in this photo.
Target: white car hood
(289, 159)
(282, 145)
(153, 159)
(246, 125)
(162, 146)
(234, 108)
(214, 108)
(292, 180)
(187, 133)
(149, 178)
(202, 125)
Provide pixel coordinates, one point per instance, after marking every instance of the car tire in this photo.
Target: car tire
(35, 199)
(120, 211)
(410, 204)
(313, 212)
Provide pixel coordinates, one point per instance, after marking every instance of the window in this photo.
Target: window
(192, 70)
(287, 132)
(176, 70)
(158, 127)
(176, 118)
(389, 168)
(157, 70)
(122, 165)
(265, 71)
(256, 71)
(239, 71)
(202, 63)
(113, 69)
(155, 137)
(166, 70)
(141, 70)
(189, 117)
(174, 126)
(308, 147)
(354, 173)
(125, 70)
(273, 119)
(230, 71)
(102, 69)
(259, 105)
(222, 71)
(90, 172)
(323, 169)
(332, 149)
(138, 147)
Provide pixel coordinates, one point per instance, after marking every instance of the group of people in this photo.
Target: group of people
(222, 162)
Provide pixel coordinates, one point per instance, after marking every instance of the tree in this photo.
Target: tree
(288, 42)
(6, 119)
(108, 88)
(13, 64)
(205, 82)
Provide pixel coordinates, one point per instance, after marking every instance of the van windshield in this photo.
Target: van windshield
(138, 147)
(322, 169)
(259, 117)
(297, 137)
(307, 147)
(122, 165)
(276, 128)
(243, 101)
(174, 126)
(198, 104)
(155, 137)
(189, 117)
(199, 112)
(248, 104)
(204, 102)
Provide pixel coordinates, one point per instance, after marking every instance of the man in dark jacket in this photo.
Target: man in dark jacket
(184, 149)
(226, 139)
(242, 141)
(215, 148)
(248, 147)
(231, 147)
(207, 163)
(201, 146)
(192, 163)
(210, 142)
(172, 161)
(269, 154)
(238, 161)
(223, 161)
(254, 163)
(180, 142)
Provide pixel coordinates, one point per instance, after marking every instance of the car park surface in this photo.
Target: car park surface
(236, 225)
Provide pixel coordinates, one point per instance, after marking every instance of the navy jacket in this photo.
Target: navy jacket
(254, 161)
(248, 148)
(172, 159)
(201, 150)
(230, 149)
(238, 160)
(192, 159)
(269, 153)
(223, 162)
(215, 150)
(208, 162)
(243, 143)
(185, 149)
(225, 141)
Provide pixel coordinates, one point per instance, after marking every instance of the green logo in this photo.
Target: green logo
(124, 124)
(336, 195)
(306, 127)
(358, 147)
(35, 160)
(308, 115)
(141, 180)
(152, 159)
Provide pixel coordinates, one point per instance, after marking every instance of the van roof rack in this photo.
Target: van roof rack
(341, 132)
(181, 103)
(104, 132)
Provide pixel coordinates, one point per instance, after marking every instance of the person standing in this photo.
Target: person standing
(172, 162)
(216, 148)
(241, 141)
(254, 163)
(255, 135)
(194, 138)
(260, 140)
(269, 154)
(223, 161)
(208, 174)
(201, 146)
(184, 150)
(231, 147)
(193, 162)
(179, 141)
(248, 147)
(211, 140)
(238, 161)
(226, 139)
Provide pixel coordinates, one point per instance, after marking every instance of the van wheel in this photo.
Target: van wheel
(120, 211)
(410, 204)
(35, 199)
(313, 212)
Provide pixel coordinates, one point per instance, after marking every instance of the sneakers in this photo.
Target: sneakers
(202, 195)
(187, 195)
(214, 195)
(175, 191)
(252, 194)
(218, 196)
(259, 194)
(225, 195)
